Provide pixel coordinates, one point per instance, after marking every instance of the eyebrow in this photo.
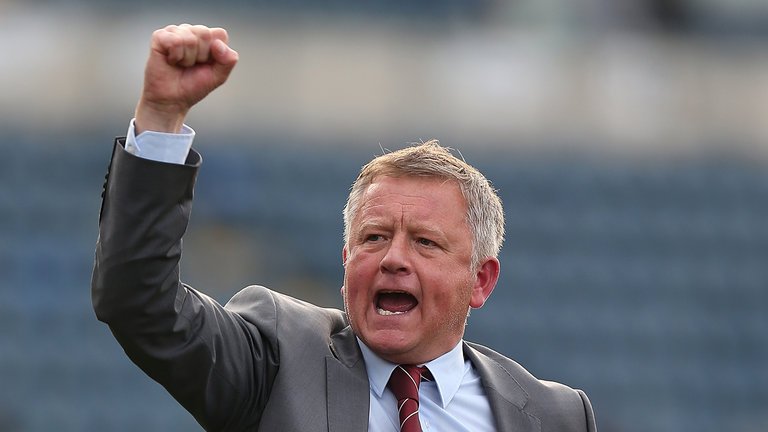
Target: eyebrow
(377, 225)
(422, 229)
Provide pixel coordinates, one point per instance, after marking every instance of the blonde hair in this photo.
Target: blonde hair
(485, 214)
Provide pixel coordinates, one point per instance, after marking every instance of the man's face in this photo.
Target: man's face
(408, 285)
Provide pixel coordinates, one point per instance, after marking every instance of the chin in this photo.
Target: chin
(385, 343)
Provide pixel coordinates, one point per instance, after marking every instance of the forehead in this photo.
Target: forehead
(423, 196)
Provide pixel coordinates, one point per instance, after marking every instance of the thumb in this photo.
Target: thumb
(224, 59)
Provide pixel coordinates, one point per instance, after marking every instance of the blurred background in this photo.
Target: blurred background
(627, 140)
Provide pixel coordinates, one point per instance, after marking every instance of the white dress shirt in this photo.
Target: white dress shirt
(454, 402)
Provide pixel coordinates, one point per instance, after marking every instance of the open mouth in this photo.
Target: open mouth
(395, 303)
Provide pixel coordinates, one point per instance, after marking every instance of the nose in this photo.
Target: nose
(397, 257)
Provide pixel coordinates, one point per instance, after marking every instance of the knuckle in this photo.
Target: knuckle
(204, 36)
(189, 40)
(160, 34)
(220, 33)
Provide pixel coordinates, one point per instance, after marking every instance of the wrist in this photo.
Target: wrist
(158, 118)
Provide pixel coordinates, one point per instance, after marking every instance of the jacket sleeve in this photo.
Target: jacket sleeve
(217, 365)
(588, 412)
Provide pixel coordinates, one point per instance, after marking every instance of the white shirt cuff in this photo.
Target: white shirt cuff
(160, 146)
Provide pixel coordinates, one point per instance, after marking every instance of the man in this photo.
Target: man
(422, 230)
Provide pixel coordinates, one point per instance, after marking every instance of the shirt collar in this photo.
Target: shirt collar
(447, 370)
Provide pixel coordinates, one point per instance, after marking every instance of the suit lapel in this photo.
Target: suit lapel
(348, 395)
(506, 396)
(347, 385)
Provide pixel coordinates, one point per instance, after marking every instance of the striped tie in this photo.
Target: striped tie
(404, 383)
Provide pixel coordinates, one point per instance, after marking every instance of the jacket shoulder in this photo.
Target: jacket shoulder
(274, 312)
(557, 406)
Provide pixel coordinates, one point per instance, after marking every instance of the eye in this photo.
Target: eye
(370, 238)
(426, 242)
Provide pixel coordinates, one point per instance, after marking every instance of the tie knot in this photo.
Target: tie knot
(405, 380)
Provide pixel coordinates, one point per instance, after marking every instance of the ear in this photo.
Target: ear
(485, 281)
(344, 263)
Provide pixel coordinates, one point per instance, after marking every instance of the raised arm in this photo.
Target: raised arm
(216, 364)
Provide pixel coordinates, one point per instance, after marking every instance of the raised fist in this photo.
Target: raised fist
(186, 63)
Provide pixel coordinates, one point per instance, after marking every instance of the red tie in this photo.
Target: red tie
(404, 383)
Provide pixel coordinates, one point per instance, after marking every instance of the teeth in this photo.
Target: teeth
(381, 311)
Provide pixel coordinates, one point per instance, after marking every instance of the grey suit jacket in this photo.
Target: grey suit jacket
(265, 361)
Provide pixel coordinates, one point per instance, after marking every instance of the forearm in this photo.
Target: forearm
(143, 217)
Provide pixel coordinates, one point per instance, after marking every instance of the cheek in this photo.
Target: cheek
(355, 280)
(360, 267)
(455, 292)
